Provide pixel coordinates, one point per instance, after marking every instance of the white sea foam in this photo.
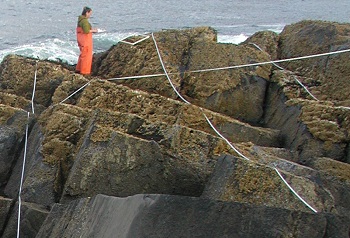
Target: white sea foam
(234, 39)
(63, 50)
(52, 49)
(272, 27)
(234, 20)
(230, 18)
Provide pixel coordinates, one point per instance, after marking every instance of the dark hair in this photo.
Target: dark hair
(85, 10)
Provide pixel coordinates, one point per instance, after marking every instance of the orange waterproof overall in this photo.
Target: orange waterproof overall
(85, 45)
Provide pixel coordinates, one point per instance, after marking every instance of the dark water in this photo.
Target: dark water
(45, 29)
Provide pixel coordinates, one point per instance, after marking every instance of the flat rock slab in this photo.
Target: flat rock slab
(175, 216)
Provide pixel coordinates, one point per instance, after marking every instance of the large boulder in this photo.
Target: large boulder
(329, 73)
(238, 93)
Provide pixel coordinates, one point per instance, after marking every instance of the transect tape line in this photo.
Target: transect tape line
(295, 78)
(212, 126)
(217, 132)
(33, 94)
(22, 177)
(293, 191)
(25, 153)
(166, 73)
(144, 37)
(75, 92)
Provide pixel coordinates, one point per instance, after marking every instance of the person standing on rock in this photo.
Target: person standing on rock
(85, 43)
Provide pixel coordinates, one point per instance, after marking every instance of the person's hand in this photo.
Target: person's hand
(94, 30)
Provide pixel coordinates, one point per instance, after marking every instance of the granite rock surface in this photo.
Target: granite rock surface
(126, 152)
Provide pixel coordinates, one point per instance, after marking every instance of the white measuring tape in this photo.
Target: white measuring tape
(25, 154)
(295, 78)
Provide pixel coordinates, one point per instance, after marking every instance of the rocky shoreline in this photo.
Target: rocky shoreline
(126, 157)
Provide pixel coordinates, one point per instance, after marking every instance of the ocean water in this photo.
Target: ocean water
(46, 29)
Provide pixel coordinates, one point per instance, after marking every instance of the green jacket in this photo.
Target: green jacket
(84, 23)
